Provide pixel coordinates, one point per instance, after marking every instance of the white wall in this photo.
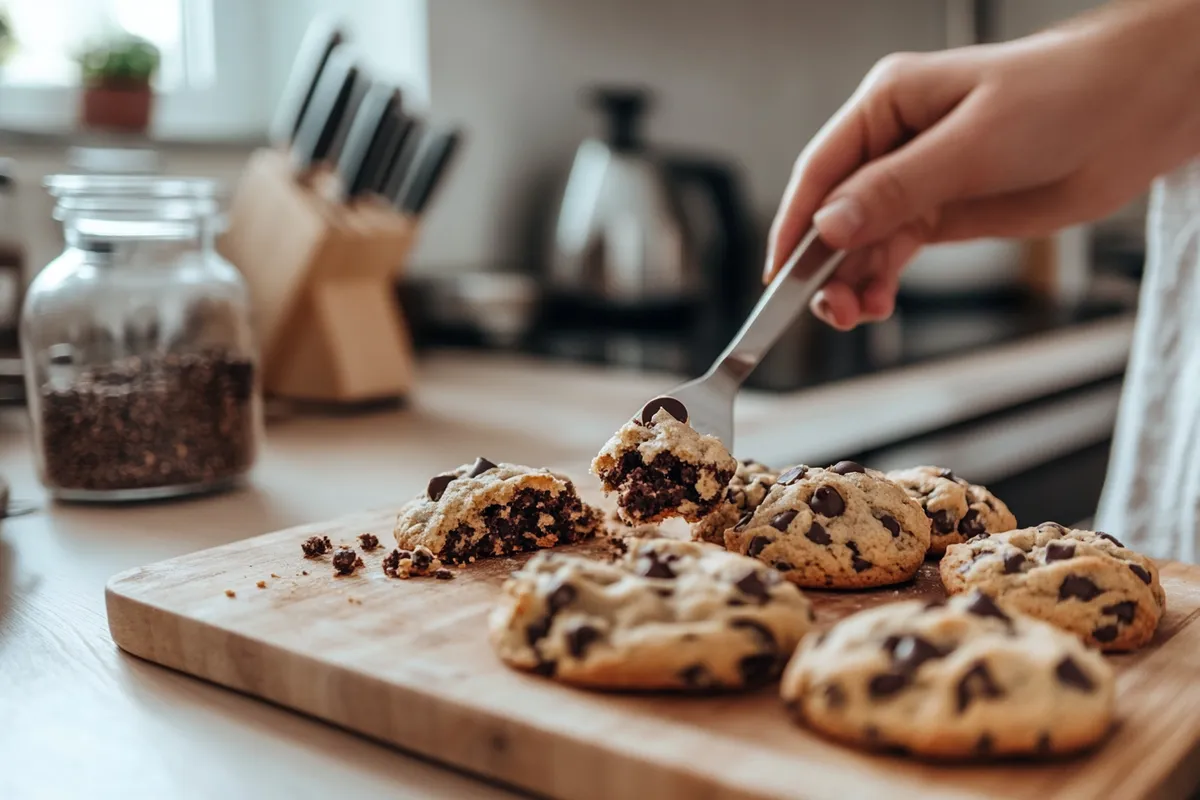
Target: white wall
(751, 79)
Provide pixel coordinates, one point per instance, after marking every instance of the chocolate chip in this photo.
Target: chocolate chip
(847, 468)
(790, 476)
(982, 605)
(835, 695)
(756, 546)
(758, 669)
(817, 534)
(480, 466)
(1124, 611)
(1141, 572)
(536, 631)
(910, 652)
(560, 597)
(580, 638)
(422, 558)
(984, 745)
(969, 525)
(657, 568)
(345, 561)
(860, 564)
(1060, 551)
(943, 521)
(1078, 587)
(827, 502)
(886, 684)
(437, 486)
(753, 586)
(889, 522)
(546, 668)
(1043, 744)
(1110, 537)
(1013, 563)
(669, 404)
(744, 521)
(783, 566)
(696, 676)
(1053, 526)
(976, 682)
(1105, 633)
(760, 631)
(781, 521)
(1069, 674)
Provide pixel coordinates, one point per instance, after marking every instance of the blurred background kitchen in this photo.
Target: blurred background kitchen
(593, 187)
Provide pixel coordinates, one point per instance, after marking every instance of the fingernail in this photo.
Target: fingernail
(822, 308)
(839, 220)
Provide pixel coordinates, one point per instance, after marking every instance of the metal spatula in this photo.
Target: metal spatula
(707, 402)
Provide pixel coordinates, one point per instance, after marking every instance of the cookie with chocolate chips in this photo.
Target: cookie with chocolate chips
(667, 615)
(1085, 582)
(845, 527)
(659, 466)
(484, 509)
(745, 492)
(957, 510)
(964, 679)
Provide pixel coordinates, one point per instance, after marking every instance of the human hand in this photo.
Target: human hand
(1012, 140)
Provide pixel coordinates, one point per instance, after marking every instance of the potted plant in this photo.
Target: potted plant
(7, 40)
(116, 84)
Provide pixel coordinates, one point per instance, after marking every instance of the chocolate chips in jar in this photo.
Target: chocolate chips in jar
(147, 422)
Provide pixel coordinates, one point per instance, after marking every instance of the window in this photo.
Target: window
(39, 82)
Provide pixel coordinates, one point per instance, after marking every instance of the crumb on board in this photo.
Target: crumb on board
(230, 593)
(345, 561)
(261, 584)
(303, 572)
(354, 601)
(315, 546)
(369, 541)
(444, 574)
(273, 575)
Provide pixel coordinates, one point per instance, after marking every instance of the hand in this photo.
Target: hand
(1015, 139)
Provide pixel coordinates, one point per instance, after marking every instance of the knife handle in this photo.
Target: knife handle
(435, 160)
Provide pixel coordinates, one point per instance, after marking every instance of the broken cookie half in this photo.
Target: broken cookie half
(484, 509)
(659, 466)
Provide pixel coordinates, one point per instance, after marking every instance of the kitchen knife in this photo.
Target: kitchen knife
(403, 162)
(430, 171)
(324, 34)
(326, 110)
(362, 84)
(374, 122)
(378, 170)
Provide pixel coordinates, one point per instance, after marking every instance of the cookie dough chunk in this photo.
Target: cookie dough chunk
(746, 491)
(485, 509)
(961, 679)
(1084, 582)
(845, 527)
(660, 467)
(957, 510)
(668, 615)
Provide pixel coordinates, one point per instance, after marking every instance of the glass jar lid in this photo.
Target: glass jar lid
(136, 207)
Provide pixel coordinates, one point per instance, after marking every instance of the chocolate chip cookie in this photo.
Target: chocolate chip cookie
(1084, 582)
(957, 510)
(668, 615)
(845, 527)
(660, 467)
(746, 491)
(485, 509)
(957, 679)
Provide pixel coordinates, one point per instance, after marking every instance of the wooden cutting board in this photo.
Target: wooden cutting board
(407, 662)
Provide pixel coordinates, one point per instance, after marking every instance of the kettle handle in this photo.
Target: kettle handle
(725, 280)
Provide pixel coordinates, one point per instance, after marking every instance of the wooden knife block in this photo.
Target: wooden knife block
(322, 282)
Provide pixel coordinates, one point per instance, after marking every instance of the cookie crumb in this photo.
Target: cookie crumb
(444, 574)
(345, 561)
(391, 562)
(354, 601)
(405, 564)
(303, 572)
(315, 546)
(273, 575)
(230, 593)
(369, 541)
(261, 584)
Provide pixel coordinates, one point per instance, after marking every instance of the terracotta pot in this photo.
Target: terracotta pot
(120, 108)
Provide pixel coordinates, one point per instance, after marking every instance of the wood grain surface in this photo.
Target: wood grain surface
(407, 663)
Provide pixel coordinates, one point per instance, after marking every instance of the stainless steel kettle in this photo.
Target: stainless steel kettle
(622, 236)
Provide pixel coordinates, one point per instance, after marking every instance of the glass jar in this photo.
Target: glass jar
(140, 367)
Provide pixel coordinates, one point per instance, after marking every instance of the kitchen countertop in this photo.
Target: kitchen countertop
(82, 719)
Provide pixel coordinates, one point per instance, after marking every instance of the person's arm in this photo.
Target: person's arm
(1013, 139)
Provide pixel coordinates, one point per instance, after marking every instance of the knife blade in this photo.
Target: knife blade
(326, 111)
(379, 170)
(322, 36)
(430, 172)
(402, 164)
(373, 123)
(362, 84)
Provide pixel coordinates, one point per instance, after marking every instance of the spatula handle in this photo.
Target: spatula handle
(806, 270)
